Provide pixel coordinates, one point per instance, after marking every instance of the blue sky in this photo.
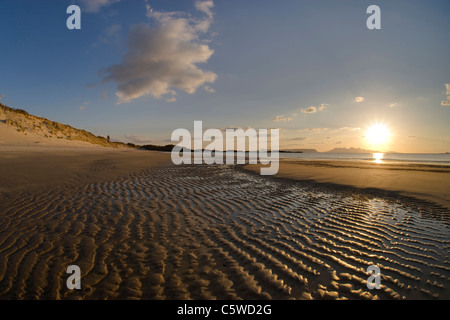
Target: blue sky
(139, 69)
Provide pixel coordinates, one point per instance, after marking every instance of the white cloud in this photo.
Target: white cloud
(359, 99)
(393, 105)
(209, 89)
(164, 56)
(322, 106)
(93, 6)
(282, 118)
(172, 99)
(205, 7)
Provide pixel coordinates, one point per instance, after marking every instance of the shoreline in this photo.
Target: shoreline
(422, 181)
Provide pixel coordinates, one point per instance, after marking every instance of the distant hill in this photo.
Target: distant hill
(299, 150)
(18, 127)
(351, 150)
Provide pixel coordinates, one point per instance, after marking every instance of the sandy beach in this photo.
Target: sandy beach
(141, 228)
(423, 181)
(31, 168)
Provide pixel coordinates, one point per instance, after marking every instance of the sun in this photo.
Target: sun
(378, 134)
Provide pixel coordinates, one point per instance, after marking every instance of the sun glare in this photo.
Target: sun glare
(378, 134)
(378, 157)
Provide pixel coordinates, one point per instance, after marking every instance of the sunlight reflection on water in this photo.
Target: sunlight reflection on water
(378, 157)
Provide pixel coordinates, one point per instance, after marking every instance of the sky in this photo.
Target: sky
(137, 70)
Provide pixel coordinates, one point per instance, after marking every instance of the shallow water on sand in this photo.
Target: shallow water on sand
(204, 232)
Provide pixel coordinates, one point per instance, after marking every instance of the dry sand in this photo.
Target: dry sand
(141, 228)
(429, 182)
(26, 168)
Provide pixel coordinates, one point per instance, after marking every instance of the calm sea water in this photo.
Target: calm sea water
(397, 158)
(420, 158)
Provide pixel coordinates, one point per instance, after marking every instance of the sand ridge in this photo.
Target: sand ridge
(217, 232)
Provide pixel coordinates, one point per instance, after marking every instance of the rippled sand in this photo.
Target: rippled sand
(217, 232)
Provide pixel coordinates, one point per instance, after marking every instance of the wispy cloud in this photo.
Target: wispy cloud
(164, 57)
(311, 109)
(298, 138)
(209, 89)
(282, 118)
(2, 96)
(331, 130)
(323, 106)
(111, 35)
(205, 7)
(394, 104)
(446, 103)
(84, 105)
(313, 130)
(359, 99)
(314, 109)
(349, 129)
(447, 92)
(93, 6)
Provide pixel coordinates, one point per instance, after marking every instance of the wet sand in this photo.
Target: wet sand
(212, 232)
(428, 182)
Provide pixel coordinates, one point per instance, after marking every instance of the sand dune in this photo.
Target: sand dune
(18, 128)
(218, 232)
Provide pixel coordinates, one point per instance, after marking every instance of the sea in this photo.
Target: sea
(442, 159)
(394, 158)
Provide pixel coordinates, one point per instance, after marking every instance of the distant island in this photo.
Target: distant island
(299, 151)
(351, 150)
